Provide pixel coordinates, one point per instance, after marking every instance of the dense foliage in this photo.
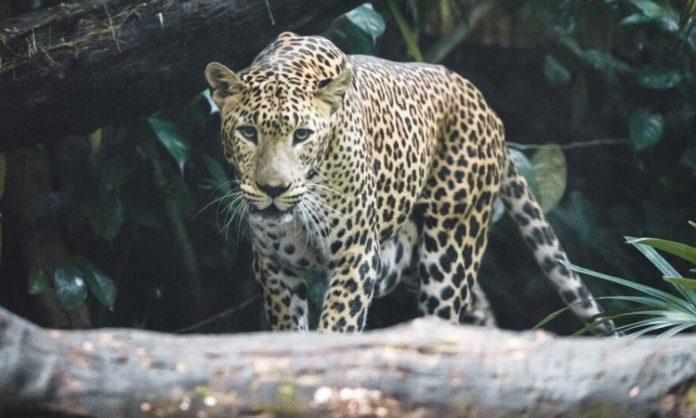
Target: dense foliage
(599, 100)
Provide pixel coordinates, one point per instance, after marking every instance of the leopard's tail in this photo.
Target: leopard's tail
(540, 238)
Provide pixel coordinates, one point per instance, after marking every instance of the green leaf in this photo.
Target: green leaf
(578, 101)
(668, 24)
(664, 266)
(635, 19)
(682, 281)
(651, 11)
(101, 286)
(524, 167)
(555, 72)
(660, 294)
(647, 329)
(687, 13)
(645, 128)
(498, 210)
(647, 325)
(446, 18)
(199, 111)
(317, 286)
(209, 99)
(599, 60)
(648, 301)
(104, 213)
(598, 320)
(648, 7)
(550, 317)
(410, 38)
(664, 312)
(653, 256)
(170, 136)
(69, 282)
(551, 172)
(356, 40)
(37, 280)
(677, 329)
(684, 251)
(368, 20)
(659, 79)
(95, 140)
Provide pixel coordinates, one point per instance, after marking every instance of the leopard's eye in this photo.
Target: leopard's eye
(301, 135)
(249, 133)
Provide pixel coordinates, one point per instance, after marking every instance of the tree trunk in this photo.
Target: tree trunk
(75, 67)
(30, 185)
(422, 369)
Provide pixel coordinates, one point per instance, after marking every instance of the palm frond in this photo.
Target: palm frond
(653, 310)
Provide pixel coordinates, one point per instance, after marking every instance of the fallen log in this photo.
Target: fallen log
(423, 369)
(75, 67)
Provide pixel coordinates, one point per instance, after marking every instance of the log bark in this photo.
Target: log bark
(422, 369)
(75, 67)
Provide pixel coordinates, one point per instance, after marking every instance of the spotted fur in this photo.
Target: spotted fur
(373, 173)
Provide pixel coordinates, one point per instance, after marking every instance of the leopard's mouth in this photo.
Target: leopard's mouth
(281, 207)
(271, 212)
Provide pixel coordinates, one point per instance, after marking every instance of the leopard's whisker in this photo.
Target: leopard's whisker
(305, 223)
(316, 216)
(218, 200)
(309, 221)
(322, 205)
(327, 188)
(230, 216)
(236, 211)
(316, 199)
(243, 216)
(235, 182)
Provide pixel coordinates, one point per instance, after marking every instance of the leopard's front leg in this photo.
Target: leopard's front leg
(351, 285)
(284, 293)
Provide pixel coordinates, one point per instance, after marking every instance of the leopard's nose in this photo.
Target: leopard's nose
(273, 191)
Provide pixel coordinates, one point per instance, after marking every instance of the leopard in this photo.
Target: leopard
(371, 173)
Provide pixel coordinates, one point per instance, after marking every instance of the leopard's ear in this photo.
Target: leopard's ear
(223, 82)
(333, 90)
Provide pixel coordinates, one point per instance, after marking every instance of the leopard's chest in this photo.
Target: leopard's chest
(286, 238)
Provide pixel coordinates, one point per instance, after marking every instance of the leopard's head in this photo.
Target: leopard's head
(276, 121)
